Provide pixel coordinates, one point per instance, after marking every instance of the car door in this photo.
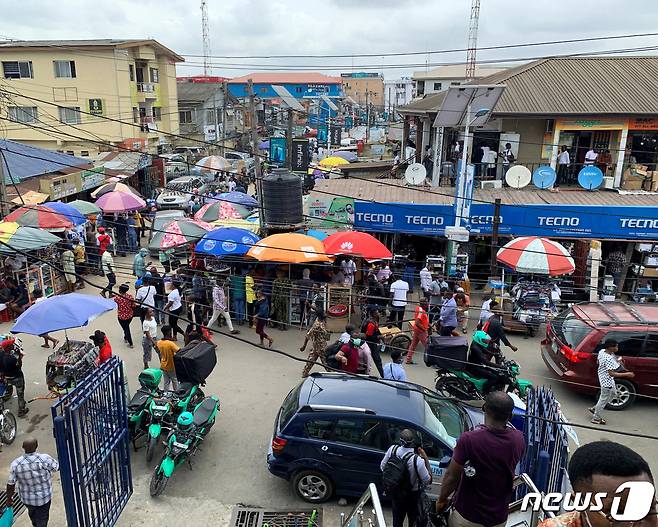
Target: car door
(355, 452)
(645, 366)
(310, 443)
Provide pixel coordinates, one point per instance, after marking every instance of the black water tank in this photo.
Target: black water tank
(282, 199)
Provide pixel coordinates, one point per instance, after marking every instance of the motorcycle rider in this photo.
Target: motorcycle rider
(495, 329)
(480, 366)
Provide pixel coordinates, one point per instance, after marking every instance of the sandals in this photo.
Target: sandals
(599, 421)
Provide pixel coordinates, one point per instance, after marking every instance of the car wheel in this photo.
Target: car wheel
(312, 486)
(626, 394)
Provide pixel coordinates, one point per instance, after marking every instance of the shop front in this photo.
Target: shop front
(642, 143)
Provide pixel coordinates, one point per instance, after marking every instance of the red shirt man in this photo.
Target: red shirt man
(349, 356)
(103, 240)
(420, 325)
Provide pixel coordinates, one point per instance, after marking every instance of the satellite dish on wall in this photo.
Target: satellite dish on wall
(590, 177)
(544, 177)
(415, 174)
(518, 176)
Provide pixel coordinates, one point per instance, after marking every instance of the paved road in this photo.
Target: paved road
(251, 384)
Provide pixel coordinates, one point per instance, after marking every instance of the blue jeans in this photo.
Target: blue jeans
(132, 241)
(239, 309)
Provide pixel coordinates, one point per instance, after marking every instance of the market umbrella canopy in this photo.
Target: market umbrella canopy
(71, 213)
(179, 232)
(358, 244)
(86, 208)
(111, 187)
(59, 312)
(41, 217)
(226, 241)
(117, 201)
(289, 248)
(239, 198)
(348, 156)
(249, 224)
(31, 197)
(318, 235)
(14, 238)
(535, 255)
(333, 161)
(222, 210)
(210, 163)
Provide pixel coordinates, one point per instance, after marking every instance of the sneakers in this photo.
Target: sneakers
(23, 412)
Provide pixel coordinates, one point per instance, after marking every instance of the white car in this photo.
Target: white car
(177, 193)
(236, 157)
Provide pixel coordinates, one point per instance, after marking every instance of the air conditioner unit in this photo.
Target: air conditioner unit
(496, 183)
(608, 182)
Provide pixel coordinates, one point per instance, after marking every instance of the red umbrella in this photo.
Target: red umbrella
(40, 216)
(535, 255)
(356, 243)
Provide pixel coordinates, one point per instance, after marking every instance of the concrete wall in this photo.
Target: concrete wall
(531, 140)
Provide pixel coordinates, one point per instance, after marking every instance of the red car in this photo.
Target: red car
(574, 338)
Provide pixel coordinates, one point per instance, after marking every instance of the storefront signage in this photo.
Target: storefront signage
(300, 155)
(278, 150)
(649, 123)
(60, 187)
(90, 179)
(560, 221)
(96, 107)
(591, 124)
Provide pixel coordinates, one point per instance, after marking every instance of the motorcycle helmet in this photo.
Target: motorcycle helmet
(185, 420)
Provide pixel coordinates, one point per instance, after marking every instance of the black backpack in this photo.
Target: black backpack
(330, 355)
(396, 479)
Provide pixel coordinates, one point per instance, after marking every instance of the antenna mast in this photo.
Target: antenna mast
(205, 30)
(472, 40)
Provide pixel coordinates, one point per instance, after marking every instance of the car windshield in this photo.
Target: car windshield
(443, 418)
(570, 329)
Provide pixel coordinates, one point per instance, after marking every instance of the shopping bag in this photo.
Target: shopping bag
(7, 518)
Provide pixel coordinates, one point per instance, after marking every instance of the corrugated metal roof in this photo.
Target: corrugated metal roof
(395, 191)
(286, 77)
(456, 71)
(570, 86)
(22, 161)
(197, 92)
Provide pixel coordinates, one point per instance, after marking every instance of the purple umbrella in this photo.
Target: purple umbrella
(264, 145)
(348, 156)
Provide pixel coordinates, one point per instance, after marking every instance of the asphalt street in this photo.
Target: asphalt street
(251, 383)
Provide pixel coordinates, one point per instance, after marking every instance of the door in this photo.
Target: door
(645, 366)
(311, 445)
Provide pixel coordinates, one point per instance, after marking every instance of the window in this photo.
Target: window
(210, 116)
(185, 116)
(437, 86)
(70, 152)
(289, 406)
(84, 153)
(155, 74)
(157, 113)
(318, 428)
(70, 114)
(651, 346)
(370, 433)
(23, 114)
(131, 72)
(64, 69)
(65, 94)
(298, 89)
(21, 69)
(630, 344)
(135, 114)
(455, 83)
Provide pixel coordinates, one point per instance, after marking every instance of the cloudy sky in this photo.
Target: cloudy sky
(338, 27)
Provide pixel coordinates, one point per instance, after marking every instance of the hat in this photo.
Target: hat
(101, 229)
(7, 343)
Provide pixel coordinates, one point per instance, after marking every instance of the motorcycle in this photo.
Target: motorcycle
(164, 409)
(183, 441)
(452, 382)
(7, 419)
(149, 379)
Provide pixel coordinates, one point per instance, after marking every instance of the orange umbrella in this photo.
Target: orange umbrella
(289, 248)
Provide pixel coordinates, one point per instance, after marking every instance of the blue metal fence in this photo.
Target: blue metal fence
(91, 433)
(547, 444)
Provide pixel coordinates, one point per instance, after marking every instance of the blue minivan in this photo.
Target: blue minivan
(333, 430)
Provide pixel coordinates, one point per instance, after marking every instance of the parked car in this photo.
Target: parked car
(176, 194)
(197, 152)
(236, 157)
(332, 431)
(575, 336)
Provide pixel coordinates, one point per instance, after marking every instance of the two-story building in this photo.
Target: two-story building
(84, 96)
(364, 88)
(397, 92)
(441, 78)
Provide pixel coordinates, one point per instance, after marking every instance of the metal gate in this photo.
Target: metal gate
(91, 432)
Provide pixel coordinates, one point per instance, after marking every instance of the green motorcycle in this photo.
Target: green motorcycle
(462, 385)
(183, 441)
(149, 379)
(164, 409)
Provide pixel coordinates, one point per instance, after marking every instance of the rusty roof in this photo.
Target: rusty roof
(286, 77)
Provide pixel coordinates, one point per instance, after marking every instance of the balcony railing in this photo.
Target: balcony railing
(148, 124)
(146, 87)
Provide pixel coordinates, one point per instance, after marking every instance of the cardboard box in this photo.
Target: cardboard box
(641, 171)
(654, 175)
(632, 183)
(646, 185)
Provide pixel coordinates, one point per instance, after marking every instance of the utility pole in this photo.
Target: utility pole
(494, 236)
(215, 116)
(4, 202)
(225, 97)
(367, 116)
(253, 136)
(289, 138)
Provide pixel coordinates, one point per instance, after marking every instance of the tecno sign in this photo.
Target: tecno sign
(424, 220)
(558, 221)
(638, 223)
(639, 499)
(371, 217)
(484, 220)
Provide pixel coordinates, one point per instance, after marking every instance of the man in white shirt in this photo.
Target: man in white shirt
(146, 296)
(399, 290)
(348, 268)
(610, 367)
(425, 282)
(563, 161)
(591, 157)
(485, 311)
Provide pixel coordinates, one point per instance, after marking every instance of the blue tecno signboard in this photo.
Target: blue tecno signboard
(565, 221)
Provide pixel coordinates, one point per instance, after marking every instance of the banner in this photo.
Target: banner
(278, 150)
(336, 133)
(322, 134)
(300, 155)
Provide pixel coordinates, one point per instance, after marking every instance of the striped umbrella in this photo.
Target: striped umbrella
(111, 187)
(213, 163)
(534, 255)
(222, 210)
(41, 217)
(179, 232)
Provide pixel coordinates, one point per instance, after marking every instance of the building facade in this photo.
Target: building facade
(364, 88)
(439, 79)
(84, 96)
(398, 92)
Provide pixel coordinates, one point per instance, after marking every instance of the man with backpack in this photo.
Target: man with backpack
(405, 471)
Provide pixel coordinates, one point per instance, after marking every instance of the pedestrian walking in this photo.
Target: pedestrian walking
(262, 316)
(219, 307)
(399, 290)
(174, 307)
(37, 294)
(250, 296)
(238, 294)
(11, 369)
(420, 326)
(167, 348)
(405, 471)
(563, 162)
(425, 282)
(145, 296)
(482, 469)
(448, 314)
(373, 338)
(463, 303)
(318, 335)
(68, 266)
(33, 474)
(125, 312)
(149, 340)
(139, 263)
(393, 371)
(109, 270)
(610, 367)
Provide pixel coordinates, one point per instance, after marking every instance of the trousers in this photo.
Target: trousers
(457, 520)
(39, 514)
(419, 335)
(216, 312)
(607, 394)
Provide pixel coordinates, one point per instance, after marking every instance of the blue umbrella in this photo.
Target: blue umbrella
(226, 241)
(240, 198)
(264, 145)
(61, 312)
(67, 210)
(318, 235)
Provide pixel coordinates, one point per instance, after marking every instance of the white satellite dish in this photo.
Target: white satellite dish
(415, 174)
(518, 176)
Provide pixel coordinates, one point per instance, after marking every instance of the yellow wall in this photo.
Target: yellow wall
(357, 87)
(101, 73)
